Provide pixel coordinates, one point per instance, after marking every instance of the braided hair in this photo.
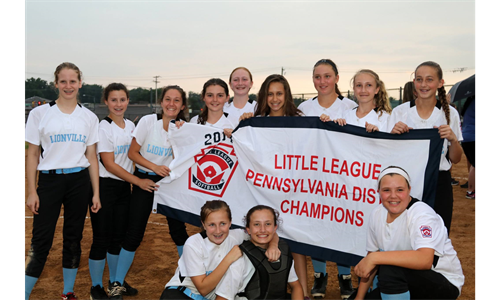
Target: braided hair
(441, 91)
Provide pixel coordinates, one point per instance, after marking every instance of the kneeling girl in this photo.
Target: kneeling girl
(208, 255)
(255, 277)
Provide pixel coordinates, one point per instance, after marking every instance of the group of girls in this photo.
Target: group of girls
(63, 146)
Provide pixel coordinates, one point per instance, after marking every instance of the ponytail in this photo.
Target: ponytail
(445, 106)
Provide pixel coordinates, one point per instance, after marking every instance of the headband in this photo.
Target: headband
(394, 170)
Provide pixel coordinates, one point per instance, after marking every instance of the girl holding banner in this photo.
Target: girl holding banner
(152, 153)
(215, 94)
(208, 255)
(374, 107)
(240, 82)
(408, 247)
(332, 105)
(427, 112)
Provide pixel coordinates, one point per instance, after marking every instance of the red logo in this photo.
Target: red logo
(426, 231)
(213, 169)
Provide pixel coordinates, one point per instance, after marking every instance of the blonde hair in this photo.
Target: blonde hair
(381, 99)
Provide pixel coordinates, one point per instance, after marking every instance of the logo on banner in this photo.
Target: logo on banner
(426, 231)
(213, 169)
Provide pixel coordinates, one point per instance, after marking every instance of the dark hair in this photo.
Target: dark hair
(392, 174)
(114, 87)
(262, 109)
(326, 61)
(441, 91)
(275, 213)
(212, 206)
(202, 118)
(381, 98)
(181, 115)
(408, 92)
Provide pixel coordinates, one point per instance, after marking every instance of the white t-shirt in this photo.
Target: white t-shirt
(408, 114)
(372, 117)
(417, 227)
(114, 139)
(222, 123)
(234, 113)
(64, 137)
(312, 108)
(201, 256)
(153, 139)
(238, 276)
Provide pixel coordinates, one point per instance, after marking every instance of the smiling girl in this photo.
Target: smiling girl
(215, 94)
(408, 247)
(270, 279)
(240, 82)
(151, 151)
(208, 255)
(62, 137)
(427, 112)
(373, 108)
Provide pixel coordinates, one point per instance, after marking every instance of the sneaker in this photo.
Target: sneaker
(129, 291)
(345, 285)
(454, 182)
(116, 291)
(471, 195)
(319, 287)
(97, 293)
(69, 296)
(465, 185)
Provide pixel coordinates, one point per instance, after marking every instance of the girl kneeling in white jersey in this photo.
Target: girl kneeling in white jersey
(208, 255)
(270, 279)
(408, 246)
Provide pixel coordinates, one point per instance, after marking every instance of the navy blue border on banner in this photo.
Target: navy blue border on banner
(430, 177)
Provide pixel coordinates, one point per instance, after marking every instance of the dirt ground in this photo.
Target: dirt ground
(156, 259)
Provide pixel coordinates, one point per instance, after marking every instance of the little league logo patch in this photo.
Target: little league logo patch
(213, 169)
(426, 231)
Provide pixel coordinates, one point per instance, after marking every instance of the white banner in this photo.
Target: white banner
(321, 177)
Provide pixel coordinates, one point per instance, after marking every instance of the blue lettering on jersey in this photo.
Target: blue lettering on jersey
(122, 149)
(160, 151)
(67, 137)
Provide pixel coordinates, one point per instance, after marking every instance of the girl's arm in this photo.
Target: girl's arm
(273, 253)
(136, 157)
(32, 201)
(91, 155)
(400, 128)
(206, 283)
(420, 259)
(108, 160)
(364, 285)
(297, 292)
(455, 149)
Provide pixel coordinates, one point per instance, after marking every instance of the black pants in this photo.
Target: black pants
(109, 224)
(443, 204)
(141, 205)
(422, 284)
(55, 190)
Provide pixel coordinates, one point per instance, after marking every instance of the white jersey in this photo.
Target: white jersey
(200, 257)
(312, 108)
(238, 276)
(63, 137)
(372, 117)
(234, 113)
(417, 227)
(408, 114)
(153, 139)
(114, 139)
(222, 123)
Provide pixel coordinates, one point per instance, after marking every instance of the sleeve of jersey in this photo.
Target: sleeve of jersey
(371, 239)
(396, 116)
(141, 130)
(105, 143)
(292, 276)
(191, 262)
(94, 131)
(32, 135)
(426, 228)
(455, 123)
(232, 281)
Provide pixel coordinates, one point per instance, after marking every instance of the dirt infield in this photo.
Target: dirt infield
(156, 259)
